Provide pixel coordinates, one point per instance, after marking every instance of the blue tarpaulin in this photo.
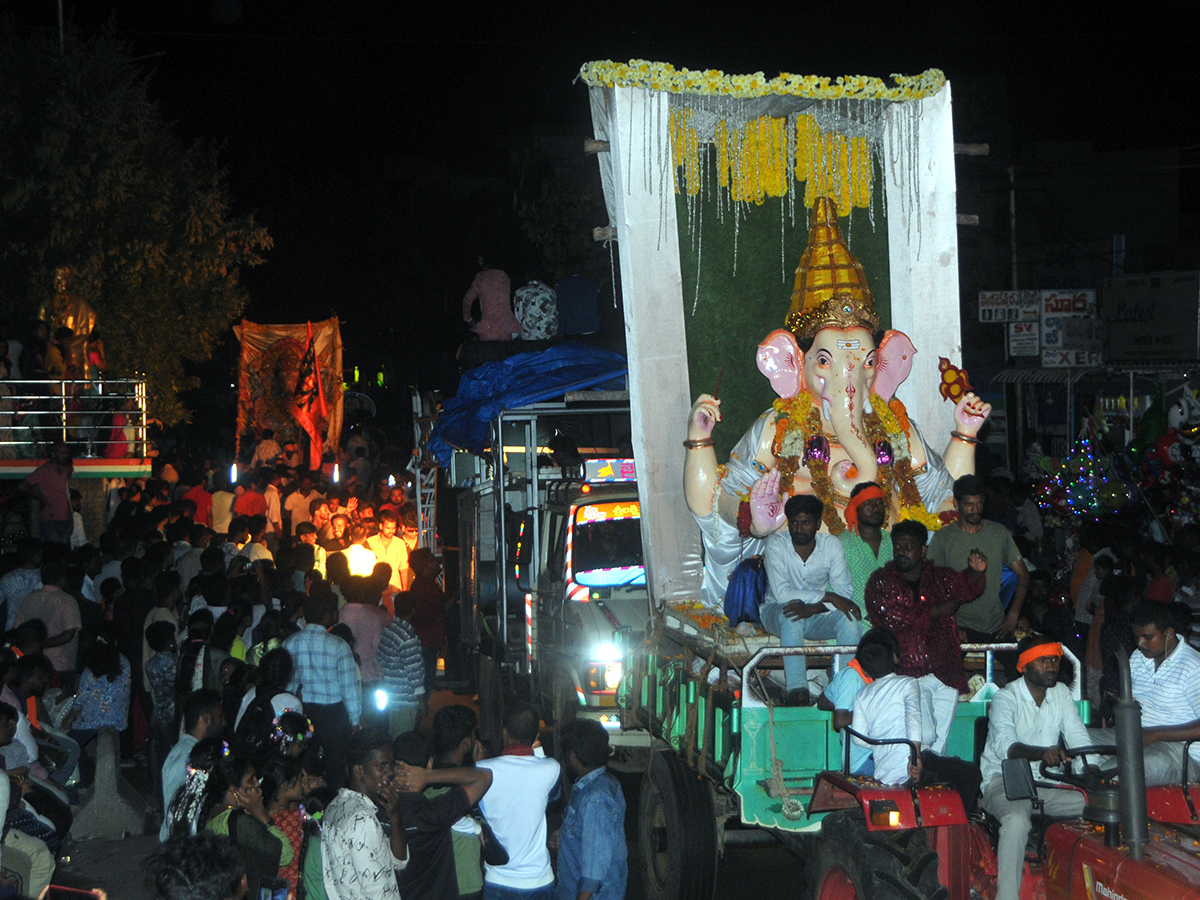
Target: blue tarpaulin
(525, 378)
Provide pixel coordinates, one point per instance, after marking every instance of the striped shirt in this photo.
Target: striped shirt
(1170, 694)
(325, 670)
(399, 657)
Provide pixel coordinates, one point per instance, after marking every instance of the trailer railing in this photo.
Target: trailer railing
(96, 414)
(750, 697)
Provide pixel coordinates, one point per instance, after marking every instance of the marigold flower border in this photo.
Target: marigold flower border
(657, 76)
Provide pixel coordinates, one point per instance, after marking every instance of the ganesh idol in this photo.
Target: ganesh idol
(837, 422)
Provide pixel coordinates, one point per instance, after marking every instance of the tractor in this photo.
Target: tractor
(898, 843)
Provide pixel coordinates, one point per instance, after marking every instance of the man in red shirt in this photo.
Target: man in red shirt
(48, 484)
(199, 495)
(429, 610)
(917, 601)
(252, 501)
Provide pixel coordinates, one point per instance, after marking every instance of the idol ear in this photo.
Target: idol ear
(782, 362)
(893, 362)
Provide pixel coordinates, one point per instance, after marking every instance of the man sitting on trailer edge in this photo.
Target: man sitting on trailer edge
(889, 707)
(839, 696)
(1166, 681)
(808, 590)
(1032, 718)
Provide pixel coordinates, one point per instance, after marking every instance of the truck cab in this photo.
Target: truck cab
(593, 601)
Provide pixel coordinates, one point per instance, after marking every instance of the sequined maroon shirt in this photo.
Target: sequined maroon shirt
(927, 643)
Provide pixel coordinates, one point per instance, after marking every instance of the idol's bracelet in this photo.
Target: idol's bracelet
(964, 438)
(696, 445)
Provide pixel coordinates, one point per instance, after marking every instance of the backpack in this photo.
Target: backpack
(746, 591)
(254, 732)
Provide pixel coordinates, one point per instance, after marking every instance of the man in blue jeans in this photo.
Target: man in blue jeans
(808, 590)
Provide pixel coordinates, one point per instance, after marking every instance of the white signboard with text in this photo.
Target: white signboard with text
(1057, 306)
(1024, 339)
(1009, 306)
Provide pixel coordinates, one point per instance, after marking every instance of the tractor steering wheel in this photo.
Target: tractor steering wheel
(1093, 776)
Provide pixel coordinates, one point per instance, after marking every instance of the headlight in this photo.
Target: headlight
(612, 676)
(603, 677)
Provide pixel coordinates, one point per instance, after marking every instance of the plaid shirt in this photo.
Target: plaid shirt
(325, 670)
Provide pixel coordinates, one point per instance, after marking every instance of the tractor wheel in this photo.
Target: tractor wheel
(851, 863)
(677, 831)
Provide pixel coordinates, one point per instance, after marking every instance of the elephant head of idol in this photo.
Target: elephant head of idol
(833, 350)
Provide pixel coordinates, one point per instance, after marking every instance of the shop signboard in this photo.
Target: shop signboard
(1024, 339)
(1009, 306)
(1152, 318)
(1056, 307)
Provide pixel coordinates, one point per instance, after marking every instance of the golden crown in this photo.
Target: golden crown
(831, 287)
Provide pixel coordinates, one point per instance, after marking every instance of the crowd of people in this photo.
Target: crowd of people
(276, 694)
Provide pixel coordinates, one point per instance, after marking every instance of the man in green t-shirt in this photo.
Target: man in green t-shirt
(866, 545)
(984, 619)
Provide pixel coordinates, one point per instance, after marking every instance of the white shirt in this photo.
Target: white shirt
(357, 855)
(890, 707)
(274, 509)
(297, 507)
(395, 554)
(791, 578)
(256, 551)
(1014, 718)
(1170, 695)
(515, 807)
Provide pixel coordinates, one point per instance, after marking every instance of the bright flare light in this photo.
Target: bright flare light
(335, 473)
(381, 699)
(233, 474)
(607, 653)
(362, 560)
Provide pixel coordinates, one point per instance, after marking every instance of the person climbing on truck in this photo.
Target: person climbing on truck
(917, 601)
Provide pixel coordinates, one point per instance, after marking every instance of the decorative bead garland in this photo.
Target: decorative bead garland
(799, 419)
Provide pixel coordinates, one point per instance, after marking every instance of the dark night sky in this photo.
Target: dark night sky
(316, 101)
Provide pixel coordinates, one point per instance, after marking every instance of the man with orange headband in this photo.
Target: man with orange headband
(866, 545)
(1031, 718)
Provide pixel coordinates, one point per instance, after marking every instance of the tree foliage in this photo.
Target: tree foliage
(92, 177)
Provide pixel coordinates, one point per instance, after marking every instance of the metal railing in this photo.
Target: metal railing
(748, 671)
(96, 414)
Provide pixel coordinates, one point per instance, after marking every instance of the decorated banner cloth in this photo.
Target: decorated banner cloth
(518, 381)
(290, 380)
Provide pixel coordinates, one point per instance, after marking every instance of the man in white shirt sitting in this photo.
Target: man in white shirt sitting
(894, 707)
(1032, 718)
(1166, 681)
(808, 590)
(842, 691)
